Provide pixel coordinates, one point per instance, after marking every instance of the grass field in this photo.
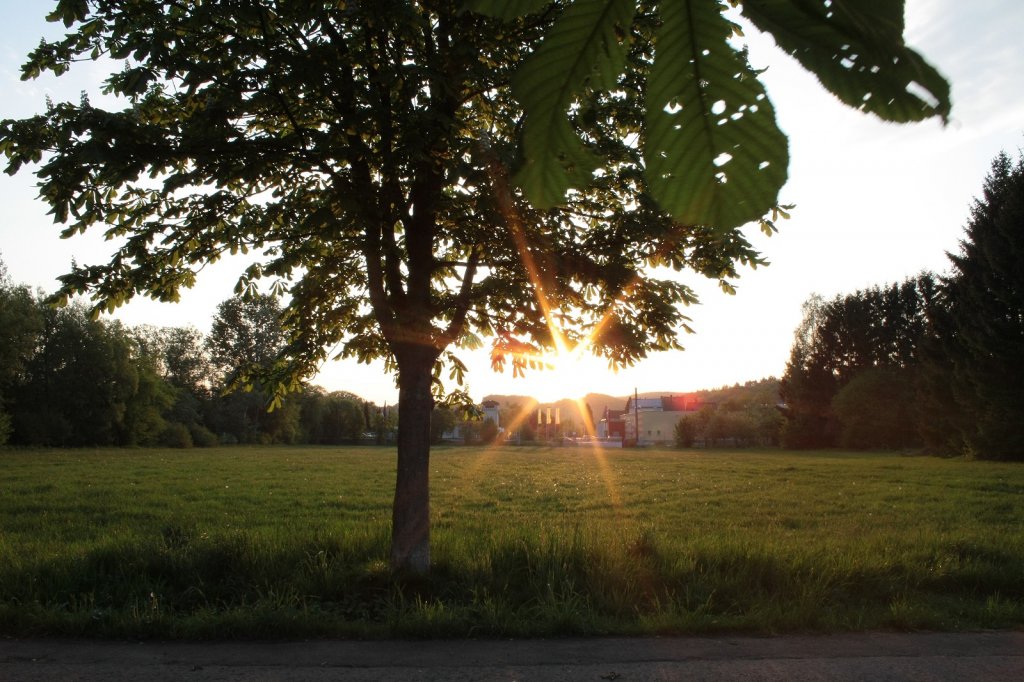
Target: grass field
(292, 542)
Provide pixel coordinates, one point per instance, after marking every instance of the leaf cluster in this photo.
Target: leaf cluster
(713, 153)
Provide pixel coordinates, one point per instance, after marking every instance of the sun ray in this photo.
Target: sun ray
(611, 485)
(489, 452)
(588, 418)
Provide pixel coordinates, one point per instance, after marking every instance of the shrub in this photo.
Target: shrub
(488, 431)
(203, 437)
(176, 435)
(686, 432)
(5, 427)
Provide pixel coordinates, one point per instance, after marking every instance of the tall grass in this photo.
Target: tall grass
(293, 542)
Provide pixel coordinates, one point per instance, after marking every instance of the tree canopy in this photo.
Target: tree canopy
(68, 380)
(410, 189)
(862, 349)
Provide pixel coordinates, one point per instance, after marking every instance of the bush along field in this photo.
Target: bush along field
(293, 542)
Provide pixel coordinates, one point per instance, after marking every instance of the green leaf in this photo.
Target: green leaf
(69, 11)
(506, 9)
(585, 48)
(136, 81)
(856, 49)
(714, 154)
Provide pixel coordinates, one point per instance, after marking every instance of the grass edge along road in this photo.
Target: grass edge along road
(292, 542)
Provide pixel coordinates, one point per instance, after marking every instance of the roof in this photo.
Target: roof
(666, 403)
(680, 403)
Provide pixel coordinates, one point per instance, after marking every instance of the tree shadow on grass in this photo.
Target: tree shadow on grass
(187, 584)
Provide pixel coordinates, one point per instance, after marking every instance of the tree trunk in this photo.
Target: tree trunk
(410, 529)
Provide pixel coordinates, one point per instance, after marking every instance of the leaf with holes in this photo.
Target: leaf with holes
(856, 49)
(586, 48)
(714, 153)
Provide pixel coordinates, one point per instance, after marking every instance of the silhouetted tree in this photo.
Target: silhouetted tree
(488, 431)
(20, 325)
(685, 432)
(984, 344)
(870, 329)
(78, 383)
(442, 420)
(875, 410)
(244, 341)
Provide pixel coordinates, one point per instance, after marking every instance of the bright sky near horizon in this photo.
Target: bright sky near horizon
(875, 203)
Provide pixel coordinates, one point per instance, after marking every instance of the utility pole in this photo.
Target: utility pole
(636, 415)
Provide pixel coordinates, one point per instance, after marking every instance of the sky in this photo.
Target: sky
(875, 203)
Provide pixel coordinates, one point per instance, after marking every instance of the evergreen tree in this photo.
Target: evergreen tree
(807, 385)
(940, 420)
(837, 341)
(875, 410)
(985, 343)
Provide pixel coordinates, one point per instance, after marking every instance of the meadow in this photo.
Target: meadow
(293, 542)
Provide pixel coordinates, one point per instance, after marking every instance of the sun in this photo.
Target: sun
(565, 374)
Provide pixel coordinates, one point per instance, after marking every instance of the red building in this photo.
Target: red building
(612, 424)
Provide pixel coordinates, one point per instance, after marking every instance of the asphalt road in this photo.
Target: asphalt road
(872, 656)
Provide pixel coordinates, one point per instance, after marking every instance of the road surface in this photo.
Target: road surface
(872, 656)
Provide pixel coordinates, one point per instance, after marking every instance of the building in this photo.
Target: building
(657, 418)
(612, 425)
(491, 410)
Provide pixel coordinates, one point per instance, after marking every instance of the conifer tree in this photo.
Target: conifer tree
(985, 346)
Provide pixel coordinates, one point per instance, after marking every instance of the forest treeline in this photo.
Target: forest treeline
(69, 380)
(936, 362)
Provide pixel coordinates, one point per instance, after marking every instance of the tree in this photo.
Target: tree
(365, 150)
(442, 420)
(878, 327)
(685, 431)
(875, 410)
(343, 418)
(382, 424)
(753, 408)
(489, 431)
(984, 340)
(186, 362)
(244, 341)
(245, 338)
(807, 385)
(154, 397)
(186, 366)
(79, 382)
(942, 421)
(20, 325)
